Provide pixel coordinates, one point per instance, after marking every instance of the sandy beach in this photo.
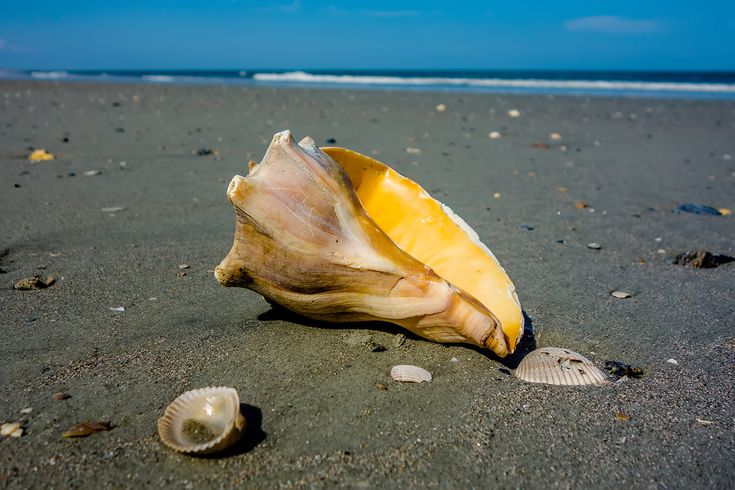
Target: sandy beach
(165, 154)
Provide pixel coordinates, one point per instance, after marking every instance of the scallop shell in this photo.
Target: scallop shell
(202, 421)
(556, 366)
(407, 373)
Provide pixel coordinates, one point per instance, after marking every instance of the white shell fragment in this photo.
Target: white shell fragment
(11, 429)
(202, 421)
(620, 294)
(555, 366)
(409, 374)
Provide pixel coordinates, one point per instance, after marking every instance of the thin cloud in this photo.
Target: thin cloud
(9, 47)
(390, 14)
(379, 14)
(614, 24)
(286, 8)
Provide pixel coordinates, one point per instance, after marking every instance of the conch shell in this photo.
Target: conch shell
(304, 239)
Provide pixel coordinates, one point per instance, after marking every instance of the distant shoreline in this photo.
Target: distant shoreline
(688, 85)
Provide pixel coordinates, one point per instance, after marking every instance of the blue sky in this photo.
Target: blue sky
(232, 34)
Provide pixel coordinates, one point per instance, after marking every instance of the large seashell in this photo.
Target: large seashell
(555, 366)
(202, 421)
(410, 374)
(337, 236)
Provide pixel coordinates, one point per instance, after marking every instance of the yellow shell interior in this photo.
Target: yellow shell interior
(430, 232)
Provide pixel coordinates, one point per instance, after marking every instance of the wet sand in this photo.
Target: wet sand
(316, 417)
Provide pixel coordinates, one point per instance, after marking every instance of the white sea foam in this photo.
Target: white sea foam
(181, 79)
(49, 75)
(159, 78)
(303, 77)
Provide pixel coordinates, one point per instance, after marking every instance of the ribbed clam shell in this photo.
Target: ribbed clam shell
(555, 366)
(409, 374)
(214, 411)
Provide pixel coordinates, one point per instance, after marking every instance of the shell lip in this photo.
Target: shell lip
(231, 433)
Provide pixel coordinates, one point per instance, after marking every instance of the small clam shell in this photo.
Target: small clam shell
(202, 421)
(555, 366)
(409, 374)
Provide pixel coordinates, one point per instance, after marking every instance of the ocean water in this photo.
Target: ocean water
(718, 85)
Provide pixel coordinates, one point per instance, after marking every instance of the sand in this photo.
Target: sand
(316, 417)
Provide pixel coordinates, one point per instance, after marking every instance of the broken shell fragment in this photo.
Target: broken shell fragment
(203, 421)
(87, 428)
(621, 294)
(11, 429)
(40, 155)
(407, 373)
(555, 366)
(337, 236)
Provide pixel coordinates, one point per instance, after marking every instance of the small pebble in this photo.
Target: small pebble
(555, 136)
(621, 294)
(183, 266)
(399, 340)
(525, 226)
(581, 205)
(60, 395)
(496, 195)
(672, 361)
(27, 410)
(494, 135)
(113, 209)
(441, 108)
(413, 151)
(594, 246)
(453, 359)
(91, 173)
(514, 113)
(381, 386)
(119, 309)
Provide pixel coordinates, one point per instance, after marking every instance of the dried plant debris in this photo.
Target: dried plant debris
(702, 259)
(622, 417)
(87, 428)
(621, 369)
(35, 282)
(697, 209)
